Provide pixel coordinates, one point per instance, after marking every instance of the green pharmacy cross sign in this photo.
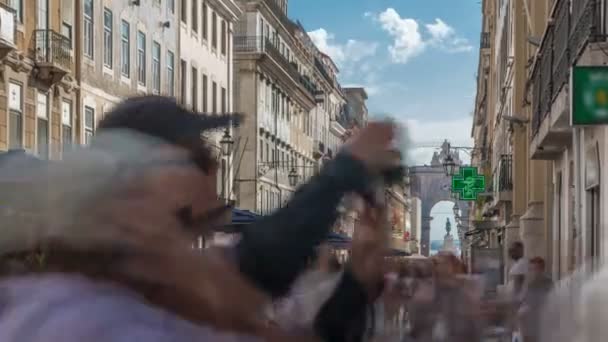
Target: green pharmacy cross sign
(468, 183)
(590, 95)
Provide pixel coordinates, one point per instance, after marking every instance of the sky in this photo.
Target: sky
(417, 60)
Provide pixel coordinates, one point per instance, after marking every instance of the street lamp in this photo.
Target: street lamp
(226, 144)
(449, 165)
(293, 177)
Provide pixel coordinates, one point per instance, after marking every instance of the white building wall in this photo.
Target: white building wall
(197, 51)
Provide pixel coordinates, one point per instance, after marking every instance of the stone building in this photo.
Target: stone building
(284, 85)
(38, 88)
(206, 69)
(124, 48)
(556, 194)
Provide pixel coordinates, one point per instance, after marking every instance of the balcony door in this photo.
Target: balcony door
(42, 19)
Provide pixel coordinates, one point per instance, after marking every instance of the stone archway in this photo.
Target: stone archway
(431, 185)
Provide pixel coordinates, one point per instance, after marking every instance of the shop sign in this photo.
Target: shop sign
(589, 95)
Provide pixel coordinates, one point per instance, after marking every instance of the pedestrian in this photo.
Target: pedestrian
(119, 253)
(538, 286)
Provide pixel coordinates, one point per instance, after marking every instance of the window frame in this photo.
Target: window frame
(89, 37)
(194, 87)
(89, 131)
(43, 151)
(214, 30)
(16, 112)
(214, 97)
(194, 16)
(67, 127)
(108, 38)
(205, 87)
(170, 73)
(156, 69)
(141, 58)
(224, 100)
(125, 49)
(204, 23)
(223, 38)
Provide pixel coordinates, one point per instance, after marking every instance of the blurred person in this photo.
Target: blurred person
(123, 260)
(447, 307)
(538, 286)
(518, 271)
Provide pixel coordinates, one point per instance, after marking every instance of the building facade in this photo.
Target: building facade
(37, 83)
(124, 48)
(285, 86)
(556, 194)
(207, 71)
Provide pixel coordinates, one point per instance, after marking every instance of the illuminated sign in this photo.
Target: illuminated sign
(468, 184)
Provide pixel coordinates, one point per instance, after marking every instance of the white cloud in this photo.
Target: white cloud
(439, 30)
(352, 51)
(407, 40)
(444, 37)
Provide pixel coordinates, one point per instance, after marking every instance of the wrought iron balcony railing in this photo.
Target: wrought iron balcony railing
(52, 48)
(319, 65)
(505, 173)
(278, 12)
(260, 44)
(569, 32)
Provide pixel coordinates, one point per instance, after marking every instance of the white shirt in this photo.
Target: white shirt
(519, 268)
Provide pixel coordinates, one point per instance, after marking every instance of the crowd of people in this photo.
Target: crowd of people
(108, 255)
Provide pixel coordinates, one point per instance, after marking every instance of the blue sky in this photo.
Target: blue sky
(416, 58)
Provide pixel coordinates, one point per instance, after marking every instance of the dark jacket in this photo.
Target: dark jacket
(275, 250)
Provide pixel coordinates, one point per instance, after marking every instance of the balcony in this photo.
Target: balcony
(278, 12)
(263, 45)
(484, 42)
(8, 23)
(561, 45)
(52, 55)
(504, 179)
(319, 65)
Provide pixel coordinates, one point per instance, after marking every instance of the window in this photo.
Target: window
(125, 48)
(88, 28)
(141, 58)
(42, 18)
(108, 45)
(17, 5)
(223, 42)
(194, 86)
(66, 125)
(261, 147)
(15, 105)
(204, 20)
(183, 66)
(42, 131)
(205, 94)
(89, 124)
(214, 30)
(224, 104)
(66, 31)
(214, 97)
(223, 180)
(194, 5)
(184, 13)
(156, 67)
(170, 74)
(171, 6)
